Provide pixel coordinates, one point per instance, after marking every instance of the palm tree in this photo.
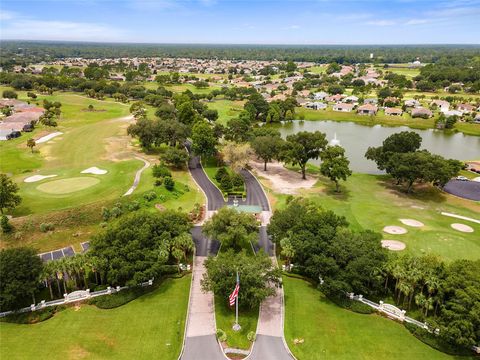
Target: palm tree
(48, 274)
(184, 244)
(288, 250)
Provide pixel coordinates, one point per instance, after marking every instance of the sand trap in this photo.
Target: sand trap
(45, 138)
(394, 230)
(477, 179)
(36, 178)
(282, 180)
(411, 222)
(393, 245)
(94, 170)
(462, 227)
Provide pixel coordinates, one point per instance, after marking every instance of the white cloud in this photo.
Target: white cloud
(417, 21)
(30, 29)
(6, 15)
(381, 22)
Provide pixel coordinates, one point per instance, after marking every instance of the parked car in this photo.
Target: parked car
(462, 178)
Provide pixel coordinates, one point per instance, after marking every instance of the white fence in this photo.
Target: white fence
(75, 296)
(391, 311)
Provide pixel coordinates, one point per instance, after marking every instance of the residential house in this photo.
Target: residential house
(370, 101)
(412, 103)
(391, 100)
(421, 112)
(477, 119)
(441, 104)
(343, 107)
(465, 108)
(316, 105)
(448, 113)
(320, 95)
(367, 109)
(393, 111)
(335, 98)
(351, 99)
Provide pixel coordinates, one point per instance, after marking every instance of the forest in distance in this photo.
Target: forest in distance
(46, 50)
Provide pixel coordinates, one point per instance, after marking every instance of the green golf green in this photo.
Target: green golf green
(66, 186)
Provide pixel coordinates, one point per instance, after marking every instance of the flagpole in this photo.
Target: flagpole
(236, 326)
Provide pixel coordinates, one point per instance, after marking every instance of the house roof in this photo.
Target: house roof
(393, 110)
(367, 107)
(343, 106)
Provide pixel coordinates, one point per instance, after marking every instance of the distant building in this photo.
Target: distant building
(412, 103)
(343, 107)
(421, 112)
(393, 111)
(367, 109)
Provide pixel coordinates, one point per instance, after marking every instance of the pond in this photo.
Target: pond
(357, 138)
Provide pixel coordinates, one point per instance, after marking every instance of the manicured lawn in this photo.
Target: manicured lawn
(183, 87)
(225, 317)
(318, 69)
(227, 109)
(330, 332)
(372, 202)
(149, 327)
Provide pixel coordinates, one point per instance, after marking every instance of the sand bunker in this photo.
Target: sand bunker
(94, 170)
(394, 230)
(282, 180)
(393, 245)
(36, 178)
(45, 138)
(477, 179)
(411, 222)
(462, 227)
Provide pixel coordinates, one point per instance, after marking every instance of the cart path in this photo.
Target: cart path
(138, 175)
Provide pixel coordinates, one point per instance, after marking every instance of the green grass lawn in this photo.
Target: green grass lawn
(227, 109)
(225, 317)
(330, 332)
(151, 326)
(372, 202)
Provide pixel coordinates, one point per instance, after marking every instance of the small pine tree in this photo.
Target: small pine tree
(5, 225)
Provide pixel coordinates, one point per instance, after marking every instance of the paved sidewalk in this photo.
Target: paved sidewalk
(201, 317)
(200, 339)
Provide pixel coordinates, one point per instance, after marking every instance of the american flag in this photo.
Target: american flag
(233, 296)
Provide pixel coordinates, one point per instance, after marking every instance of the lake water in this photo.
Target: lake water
(357, 138)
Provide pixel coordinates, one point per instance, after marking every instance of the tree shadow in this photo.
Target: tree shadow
(344, 193)
(420, 192)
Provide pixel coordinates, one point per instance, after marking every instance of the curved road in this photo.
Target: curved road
(200, 338)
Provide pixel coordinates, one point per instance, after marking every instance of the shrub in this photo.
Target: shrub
(45, 227)
(106, 214)
(352, 305)
(159, 182)
(221, 335)
(175, 157)
(169, 269)
(5, 225)
(221, 172)
(226, 183)
(169, 183)
(133, 205)
(33, 317)
(120, 298)
(9, 94)
(237, 180)
(160, 171)
(149, 196)
(116, 212)
(435, 341)
(251, 336)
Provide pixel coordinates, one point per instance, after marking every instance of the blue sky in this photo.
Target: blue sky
(244, 22)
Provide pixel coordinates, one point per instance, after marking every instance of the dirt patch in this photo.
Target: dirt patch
(395, 230)
(411, 222)
(160, 207)
(282, 180)
(393, 245)
(462, 227)
(78, 352)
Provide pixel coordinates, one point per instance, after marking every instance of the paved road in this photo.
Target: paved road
(255, 193)
(200, 339)
(215, 198)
